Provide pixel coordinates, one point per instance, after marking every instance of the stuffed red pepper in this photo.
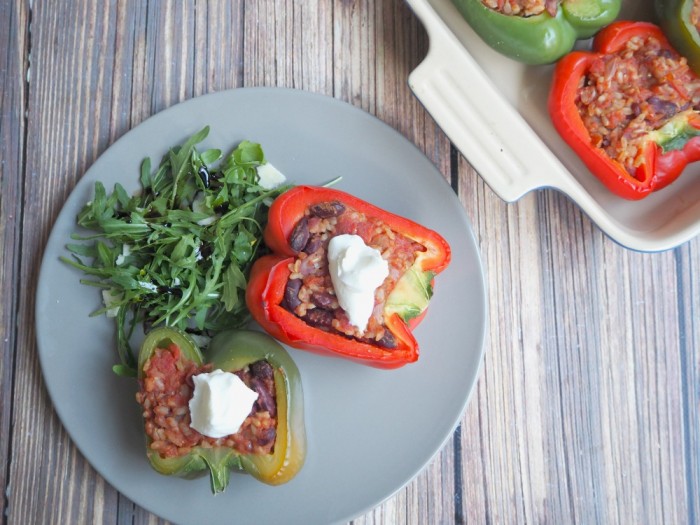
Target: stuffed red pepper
(629, 108)
(346, 278)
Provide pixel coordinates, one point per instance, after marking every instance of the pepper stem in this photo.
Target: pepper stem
(219, 475)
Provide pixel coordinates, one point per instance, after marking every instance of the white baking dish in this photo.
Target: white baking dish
(494, 110)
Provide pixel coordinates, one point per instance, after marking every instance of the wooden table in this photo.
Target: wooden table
(587, 407)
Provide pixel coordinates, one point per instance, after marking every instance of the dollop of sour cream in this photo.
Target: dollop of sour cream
(357, 270)
(220, 404)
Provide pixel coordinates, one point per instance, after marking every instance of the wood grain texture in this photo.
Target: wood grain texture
(587, 407)
(13, 44)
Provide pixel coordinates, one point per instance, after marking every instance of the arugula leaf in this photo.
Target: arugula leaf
(179, 251)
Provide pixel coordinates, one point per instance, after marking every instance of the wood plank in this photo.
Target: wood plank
(286, 44)
(219, 57)
(616, 379)
(587, 369)
(687, 259)
(13, 65)
(68, 125)
(501, 438)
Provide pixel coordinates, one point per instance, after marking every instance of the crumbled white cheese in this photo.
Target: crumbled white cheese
(148, 286)
(126, 251)
(270, 177)
(199, 205)
(110, 298)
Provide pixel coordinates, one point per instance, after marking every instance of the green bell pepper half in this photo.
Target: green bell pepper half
(539, 39)
(674, 19)
(231, 351)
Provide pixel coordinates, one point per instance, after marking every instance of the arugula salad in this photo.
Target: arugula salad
(178, 252)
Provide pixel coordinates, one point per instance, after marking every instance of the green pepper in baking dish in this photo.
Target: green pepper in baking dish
(167, 361)
(541, 38)
(679, 21)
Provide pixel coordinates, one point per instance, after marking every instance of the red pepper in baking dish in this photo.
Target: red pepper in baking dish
(655, 135)
(403, 309)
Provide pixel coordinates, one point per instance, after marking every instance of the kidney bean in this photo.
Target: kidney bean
(324, 210)
(300, 235)
(322, 299)
(319, 317)
(261, 369)
(388, 340)
(551, 6)
(291, 294)
(266, 436)
(663, 107)
(314, 244)
(265, 400)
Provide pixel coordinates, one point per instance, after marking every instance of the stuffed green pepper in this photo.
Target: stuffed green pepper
(680, 21)
(239, 406)
(536, 31)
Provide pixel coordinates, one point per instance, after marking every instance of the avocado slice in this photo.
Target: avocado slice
(411, 295)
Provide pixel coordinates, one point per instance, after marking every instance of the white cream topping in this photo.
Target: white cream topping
(357, 270)
(220, 404)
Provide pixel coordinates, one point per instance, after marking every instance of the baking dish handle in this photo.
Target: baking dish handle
(460, 97)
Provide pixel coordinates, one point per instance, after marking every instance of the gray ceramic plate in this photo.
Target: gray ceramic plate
(369, 431)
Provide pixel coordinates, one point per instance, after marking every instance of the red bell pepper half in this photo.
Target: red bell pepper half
(664, 152)
(270, 274)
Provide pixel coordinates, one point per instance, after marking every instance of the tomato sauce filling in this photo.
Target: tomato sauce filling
(309, 292)
(165, 393)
